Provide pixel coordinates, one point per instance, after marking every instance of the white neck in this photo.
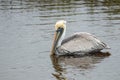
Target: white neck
(62, 37)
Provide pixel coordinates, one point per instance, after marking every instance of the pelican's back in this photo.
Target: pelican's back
(82, 42)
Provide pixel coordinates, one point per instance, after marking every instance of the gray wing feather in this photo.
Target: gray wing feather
(82, 42)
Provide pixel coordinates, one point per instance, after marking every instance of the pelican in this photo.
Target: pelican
(80, 42)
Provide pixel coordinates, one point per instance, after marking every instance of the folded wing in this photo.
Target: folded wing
(82, 42)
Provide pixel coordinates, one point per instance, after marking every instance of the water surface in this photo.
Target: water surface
(26, 34)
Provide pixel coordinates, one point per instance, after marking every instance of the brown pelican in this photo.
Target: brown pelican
(80, 42)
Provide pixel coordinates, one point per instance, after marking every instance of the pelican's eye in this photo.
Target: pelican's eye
(60, 29)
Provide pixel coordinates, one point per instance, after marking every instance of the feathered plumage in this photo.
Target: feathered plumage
(80, 42)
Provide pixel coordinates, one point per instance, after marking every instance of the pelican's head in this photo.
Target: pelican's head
(60, 24)
(60, 28)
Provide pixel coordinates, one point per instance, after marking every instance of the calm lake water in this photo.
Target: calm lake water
(26, 34)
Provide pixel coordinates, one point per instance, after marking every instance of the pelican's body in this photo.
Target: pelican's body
(80, 42)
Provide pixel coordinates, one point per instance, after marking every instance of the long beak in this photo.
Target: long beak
(57, 36)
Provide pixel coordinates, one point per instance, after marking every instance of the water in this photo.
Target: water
(26, 34)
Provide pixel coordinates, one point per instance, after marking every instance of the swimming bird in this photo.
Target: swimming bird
(80, 42)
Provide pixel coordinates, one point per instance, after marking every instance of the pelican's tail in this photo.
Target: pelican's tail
(107, 47)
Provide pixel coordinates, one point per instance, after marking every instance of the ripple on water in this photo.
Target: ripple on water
(26, 34)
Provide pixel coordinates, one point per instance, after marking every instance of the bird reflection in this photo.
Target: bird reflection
(81, 63)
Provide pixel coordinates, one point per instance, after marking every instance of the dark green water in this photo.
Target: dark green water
(26, 34)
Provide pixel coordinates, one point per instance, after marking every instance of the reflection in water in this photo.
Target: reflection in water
(81, 64)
